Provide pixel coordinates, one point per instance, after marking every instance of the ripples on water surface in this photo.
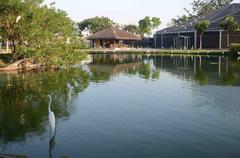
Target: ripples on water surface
(125, 106)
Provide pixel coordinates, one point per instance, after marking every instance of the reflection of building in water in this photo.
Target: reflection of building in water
(115, 58)
(114, 69)
(115, 63)
(217, 69)
(214, 69)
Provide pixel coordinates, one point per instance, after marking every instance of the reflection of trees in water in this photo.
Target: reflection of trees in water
(148, 72)
(23, 101)
(111, 59)
(201, 77)
(230, 78)
(203, 69)
(99, 76)
(105, 66)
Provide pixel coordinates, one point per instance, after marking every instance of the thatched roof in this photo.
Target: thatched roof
(215, 18)
(114, 34)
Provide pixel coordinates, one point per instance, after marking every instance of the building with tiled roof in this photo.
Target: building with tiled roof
(113, 37)
(185, 36)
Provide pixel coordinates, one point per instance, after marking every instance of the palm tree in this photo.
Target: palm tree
(230, 25)
(201, 27)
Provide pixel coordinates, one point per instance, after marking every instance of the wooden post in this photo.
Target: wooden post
(155, 40)
(162, 41)
(195, 65)
(195, 40)
(220, 39)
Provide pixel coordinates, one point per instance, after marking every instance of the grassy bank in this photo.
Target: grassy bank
(160, 51)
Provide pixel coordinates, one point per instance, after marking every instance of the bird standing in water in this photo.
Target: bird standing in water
(51, 118)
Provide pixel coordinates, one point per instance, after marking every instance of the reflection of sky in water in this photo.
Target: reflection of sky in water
(128, 106)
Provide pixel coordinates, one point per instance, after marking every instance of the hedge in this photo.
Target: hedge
(235, 48)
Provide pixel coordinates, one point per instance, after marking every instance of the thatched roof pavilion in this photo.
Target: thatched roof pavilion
(112, 38)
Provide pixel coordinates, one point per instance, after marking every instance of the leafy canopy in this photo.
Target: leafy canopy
(42, 32)
(202, 26)
(230, 24)
(200, 7)
(132, 28)
(95, 24)
(148, 24)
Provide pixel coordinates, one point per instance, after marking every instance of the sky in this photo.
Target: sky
(124, 11)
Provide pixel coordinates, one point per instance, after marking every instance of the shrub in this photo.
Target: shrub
(235, 48)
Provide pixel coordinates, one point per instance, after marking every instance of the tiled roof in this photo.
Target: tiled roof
(115, 34)
(215, 19)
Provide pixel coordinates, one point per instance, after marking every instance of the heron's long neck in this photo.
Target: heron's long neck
(49, 107)
(49, 104)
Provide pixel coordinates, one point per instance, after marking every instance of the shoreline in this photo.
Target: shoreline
(160, 51)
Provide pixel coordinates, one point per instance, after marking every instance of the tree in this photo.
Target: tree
(230, 25)
(148, 24)
(30, 89)
(180, 19)
(201, 7)
(155, 22)
(201, 27)
(132, 28)
(10, 13)
(95, 24)
(37, 31)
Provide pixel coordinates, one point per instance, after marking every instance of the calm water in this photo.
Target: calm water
(125, 106)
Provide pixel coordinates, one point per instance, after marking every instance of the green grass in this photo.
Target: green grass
(162, 51)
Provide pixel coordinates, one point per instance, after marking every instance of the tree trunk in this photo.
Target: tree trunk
(228, 41)
(7, 47)
(200, 47)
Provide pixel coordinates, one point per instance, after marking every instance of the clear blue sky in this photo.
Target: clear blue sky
(123, 11)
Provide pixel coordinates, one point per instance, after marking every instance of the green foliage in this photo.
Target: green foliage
(41, 32)
(180, 19)
(95, 24)
(132, 28)
(201, 7)
(155, 22)
(230, 24)
(148, 24)
(235, 48)
(202, 26)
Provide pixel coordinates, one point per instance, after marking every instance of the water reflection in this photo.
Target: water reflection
(24, 109)
(22, 96)
(23, 103)
(218, 70)
(52, 143)
(51, 118)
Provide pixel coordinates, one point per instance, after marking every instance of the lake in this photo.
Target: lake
(125, 106)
